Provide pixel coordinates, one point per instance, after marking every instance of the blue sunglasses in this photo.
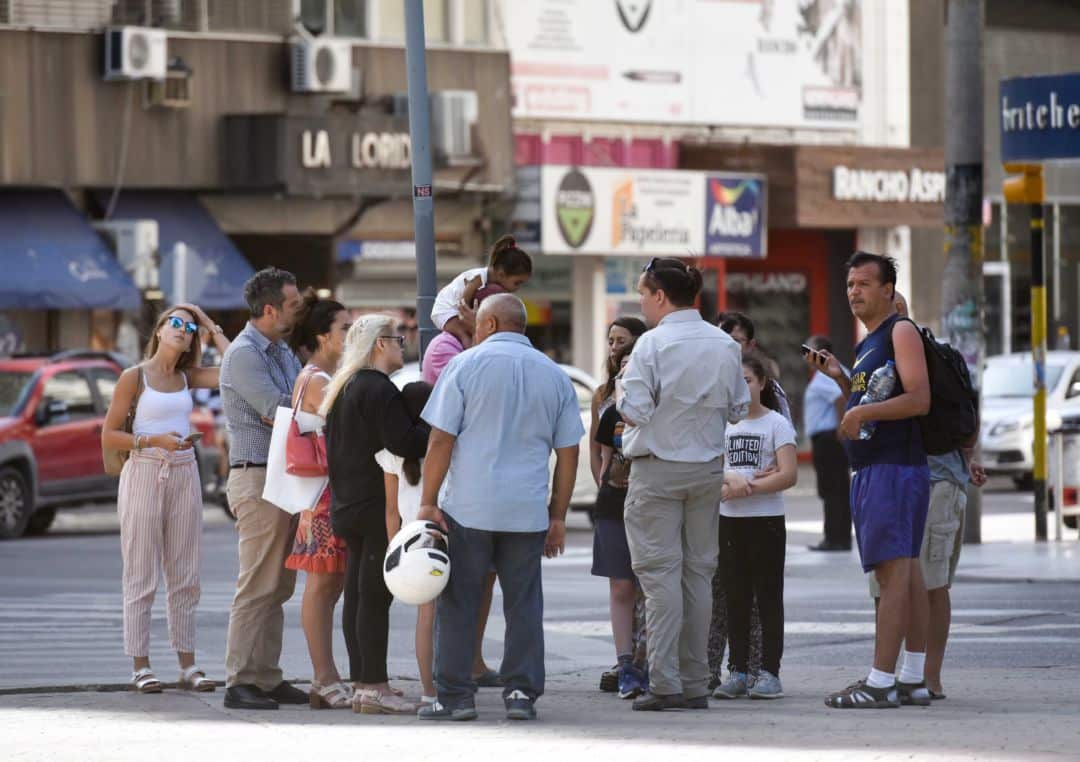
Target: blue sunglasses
(175, 322)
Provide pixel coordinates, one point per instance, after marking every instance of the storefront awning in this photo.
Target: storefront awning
(216, 268)
(53, 259)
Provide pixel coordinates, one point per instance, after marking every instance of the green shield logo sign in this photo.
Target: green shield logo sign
(574, 208)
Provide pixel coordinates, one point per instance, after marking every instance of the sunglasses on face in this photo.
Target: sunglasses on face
(399, 339)
(178, 323)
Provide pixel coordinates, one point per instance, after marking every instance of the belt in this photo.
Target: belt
(244, 465)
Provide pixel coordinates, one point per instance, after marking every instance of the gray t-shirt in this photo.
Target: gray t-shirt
(949, 467)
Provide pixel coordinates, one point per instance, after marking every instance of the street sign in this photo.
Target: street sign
(1040, 118)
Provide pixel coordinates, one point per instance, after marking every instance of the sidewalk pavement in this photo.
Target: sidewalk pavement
(1032, 716)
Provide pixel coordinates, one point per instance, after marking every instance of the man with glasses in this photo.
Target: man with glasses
(683, 385)
(257, 375)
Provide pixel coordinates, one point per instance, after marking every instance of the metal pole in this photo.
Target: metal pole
(1038, 351)
(180, 273)
(423, 198)
(1059, 482)
(961, 292)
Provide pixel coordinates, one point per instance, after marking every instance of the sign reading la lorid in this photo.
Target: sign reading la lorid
(367, 154)
(1040, 118)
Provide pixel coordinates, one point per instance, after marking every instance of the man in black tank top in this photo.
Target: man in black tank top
(890, 489)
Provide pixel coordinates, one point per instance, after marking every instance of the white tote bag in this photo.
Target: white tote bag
(291, 494)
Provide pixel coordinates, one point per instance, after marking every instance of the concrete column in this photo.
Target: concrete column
(588, 315)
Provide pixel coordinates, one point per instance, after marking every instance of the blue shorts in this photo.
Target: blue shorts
(888, 507)
(611, 552)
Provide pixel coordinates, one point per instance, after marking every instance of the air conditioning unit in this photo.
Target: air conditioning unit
(133, 52)
(453, 115)
(321, 65)
(136, 245)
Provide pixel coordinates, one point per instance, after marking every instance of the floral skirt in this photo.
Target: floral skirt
(316, 549)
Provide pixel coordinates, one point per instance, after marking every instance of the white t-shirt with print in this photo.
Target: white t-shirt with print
(448, 298)
(408, 499)
(751, 447)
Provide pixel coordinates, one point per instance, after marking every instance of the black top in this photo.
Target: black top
(368, 415)
(611, 498)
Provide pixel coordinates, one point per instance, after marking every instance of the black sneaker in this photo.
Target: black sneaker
(519, 706)
(861, 696)
(609, 681)
(913, 694)
(652, 702)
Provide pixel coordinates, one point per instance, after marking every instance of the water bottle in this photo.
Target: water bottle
(878, 389)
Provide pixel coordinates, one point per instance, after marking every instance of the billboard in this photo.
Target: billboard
(646, 212)
(789, 63)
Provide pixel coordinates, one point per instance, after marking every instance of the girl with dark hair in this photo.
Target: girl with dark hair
(508, 266)
(760, 466)
(160, 497)
(319, 335)
(622, 332)
(403, 491)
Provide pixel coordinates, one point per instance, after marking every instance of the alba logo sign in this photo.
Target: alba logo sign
(575, 208)
(633, 13)
(734, 214)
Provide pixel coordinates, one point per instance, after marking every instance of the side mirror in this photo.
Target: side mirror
(51, 411)
(1074, 390)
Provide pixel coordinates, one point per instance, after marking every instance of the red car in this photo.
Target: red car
(52, 410)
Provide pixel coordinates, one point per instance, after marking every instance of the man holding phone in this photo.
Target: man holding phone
(823, 408)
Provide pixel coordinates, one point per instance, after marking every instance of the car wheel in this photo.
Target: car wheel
(40, 521)
(16, 503)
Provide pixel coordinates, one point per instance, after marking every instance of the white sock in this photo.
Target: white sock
(879, 679)
(914, 664)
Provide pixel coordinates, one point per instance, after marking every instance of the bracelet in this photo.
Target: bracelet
(137, 438)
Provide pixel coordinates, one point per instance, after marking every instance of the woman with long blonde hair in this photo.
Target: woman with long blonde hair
(365, 413)
(160, 496)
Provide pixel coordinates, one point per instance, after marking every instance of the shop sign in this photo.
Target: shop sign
(351, 250)
(367, 154)
(897, 186)
(659, 61)
(735, 224)
(1040, 118)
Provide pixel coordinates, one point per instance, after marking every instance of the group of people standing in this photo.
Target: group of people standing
(692, 446)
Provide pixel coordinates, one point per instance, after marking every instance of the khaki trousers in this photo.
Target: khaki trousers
(264, 585)
(672, 520)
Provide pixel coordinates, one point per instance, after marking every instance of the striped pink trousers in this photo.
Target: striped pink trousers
(160, 506)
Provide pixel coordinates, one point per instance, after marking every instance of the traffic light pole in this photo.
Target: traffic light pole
(420, 144)
(1028, 188)
(1038, 351)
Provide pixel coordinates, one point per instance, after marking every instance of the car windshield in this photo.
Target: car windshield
(1017, 379)
(11, 389)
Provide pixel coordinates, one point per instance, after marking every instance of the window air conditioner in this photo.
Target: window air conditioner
(321, 65)
(135, 243)
(133, 52)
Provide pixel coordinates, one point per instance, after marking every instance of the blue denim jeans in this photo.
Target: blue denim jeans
(516, 557)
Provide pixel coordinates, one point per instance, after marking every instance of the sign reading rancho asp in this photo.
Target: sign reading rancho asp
(884, 186)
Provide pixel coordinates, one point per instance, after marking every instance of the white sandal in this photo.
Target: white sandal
(144, 681)
(333, 696)
(194, 679)
(370, 701)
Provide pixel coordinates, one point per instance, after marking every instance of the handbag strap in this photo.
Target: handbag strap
(303, 390)
(129, 422)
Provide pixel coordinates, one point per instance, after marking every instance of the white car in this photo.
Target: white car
(1007, 415)
(584, 496)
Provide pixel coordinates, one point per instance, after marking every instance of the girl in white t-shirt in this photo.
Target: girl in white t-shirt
(760, 465)
(453, 312)
(403, 489)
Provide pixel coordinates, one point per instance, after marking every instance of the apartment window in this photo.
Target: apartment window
(475, 21)
(335, 18)
(391, 14)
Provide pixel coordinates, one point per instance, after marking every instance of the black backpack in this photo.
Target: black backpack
(953, 420)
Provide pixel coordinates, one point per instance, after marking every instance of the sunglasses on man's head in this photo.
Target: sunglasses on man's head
(178, 323)
(399, 339)
(665, 263)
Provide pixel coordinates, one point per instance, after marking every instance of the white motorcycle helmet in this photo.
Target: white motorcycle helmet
(417, 567)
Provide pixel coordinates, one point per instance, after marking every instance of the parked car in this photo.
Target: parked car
(584, 496)
(1007, 416)
(52, 411)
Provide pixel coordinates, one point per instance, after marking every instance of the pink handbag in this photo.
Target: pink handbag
(305, 454)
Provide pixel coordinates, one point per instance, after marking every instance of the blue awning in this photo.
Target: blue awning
(53, 259)
(216, 268)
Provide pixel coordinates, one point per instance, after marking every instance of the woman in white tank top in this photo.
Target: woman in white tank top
(319, 336)
(160, 496)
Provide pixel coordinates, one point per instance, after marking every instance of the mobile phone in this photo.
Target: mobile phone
(193, 437)
(806, 350)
